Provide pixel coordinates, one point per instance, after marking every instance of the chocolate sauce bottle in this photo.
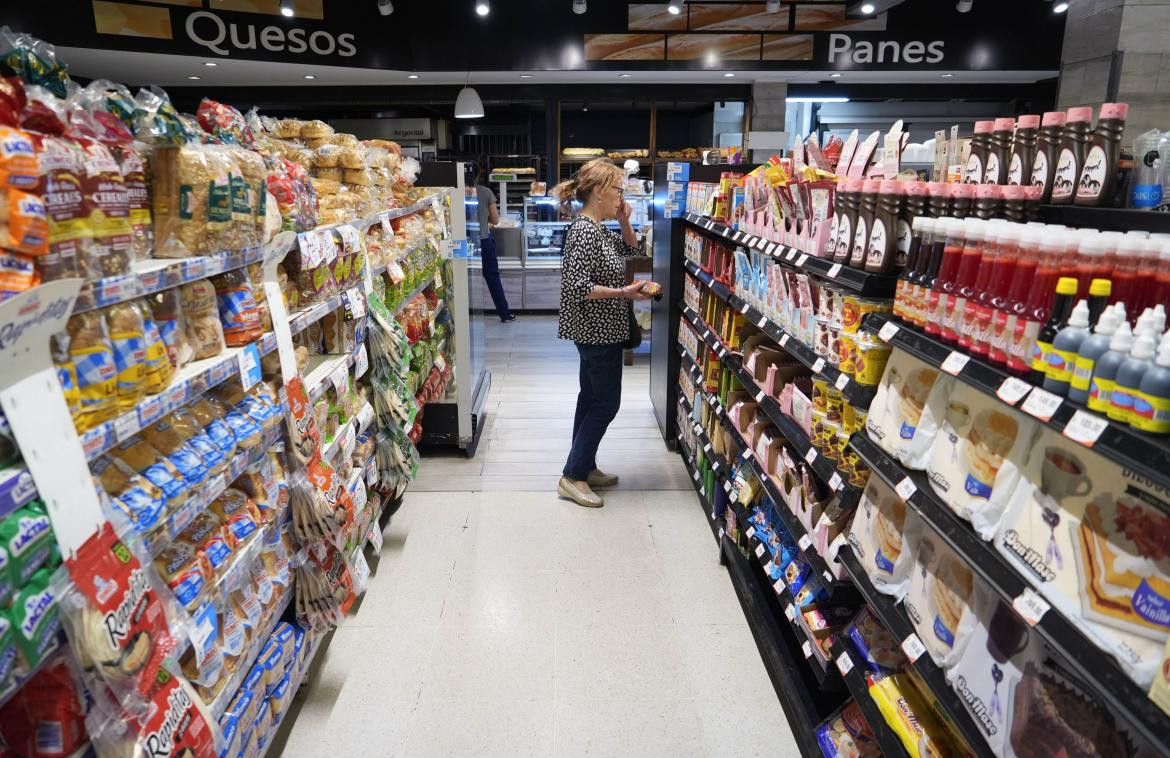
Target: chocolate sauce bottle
(988, 201)
(1047, 153)
(866, 210)
(849, 198)
(999, 152)
(883, 236)
(1023, 150)
(913, 204)
(939, 199)
(1032, 196)
(1013, 203)
(1099, 173)
(1074, 143)
(962, 196)
(977, 157)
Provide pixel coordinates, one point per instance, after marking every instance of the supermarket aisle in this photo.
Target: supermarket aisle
(503, 621)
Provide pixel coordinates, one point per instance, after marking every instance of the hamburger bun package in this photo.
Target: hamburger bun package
(906, 411)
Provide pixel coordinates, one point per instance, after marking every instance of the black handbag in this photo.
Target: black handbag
(635, 339)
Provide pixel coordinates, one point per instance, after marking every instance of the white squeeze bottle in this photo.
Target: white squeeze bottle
(1129, 377)
(1105, 370)
(1151, 403)
(1066, 346)
(1091, 349)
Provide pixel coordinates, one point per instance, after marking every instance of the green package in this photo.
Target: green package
(35, 618)
(27, 535)
(6, 581)
(7, 651)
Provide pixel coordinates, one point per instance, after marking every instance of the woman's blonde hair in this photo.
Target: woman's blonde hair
(599, 174)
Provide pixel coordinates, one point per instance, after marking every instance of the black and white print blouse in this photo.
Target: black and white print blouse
(593, 255)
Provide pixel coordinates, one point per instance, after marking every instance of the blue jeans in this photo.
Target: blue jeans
(491, 276)
(597, 405)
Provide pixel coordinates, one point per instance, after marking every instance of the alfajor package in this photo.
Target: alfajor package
(1094, 539)
(879, 538)
(907, 408)
(938, 598)
(976, 459)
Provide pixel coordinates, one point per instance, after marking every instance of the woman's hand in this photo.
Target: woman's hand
(623, 212)
(634, 291)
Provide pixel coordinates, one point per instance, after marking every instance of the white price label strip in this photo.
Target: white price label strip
(828, 577)
(807, 648)
(805, 542)
(954, 363)
(726, 487)
(800, 261)
(818, 365)
(844, 664)
(1030, 606)
(913, 647)
(751, 531)
(784, 340)
(707, 448)
(759, 396)
(125, 426)
(721, 532)
(835, 481)
(906, 488)
(792, 253)
(761, 322)
(811, 455)
(842, 382)
(1085, 428)
(1012, 389)
(1041, 403)
(760, 550)
(790, 612)
(834, 269)
(744, 308)
(778, 586)
(888, 330)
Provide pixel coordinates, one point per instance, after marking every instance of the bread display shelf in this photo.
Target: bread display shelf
(1095, 668)
(224, 698)
(689, 365)
(859, 396)
(1142, 453)
(857, 682)
(360, 422)
(295, 686)
(898, 624)
(853, 279)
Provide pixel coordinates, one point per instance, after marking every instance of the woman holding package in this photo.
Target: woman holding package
(595, 315)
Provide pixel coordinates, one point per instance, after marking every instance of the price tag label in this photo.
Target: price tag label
(806, 646)
(834, 269)
(125, 426)
(800, 261)
(842, 381)
(1030, 606)
(805, 542)
(1085, 428)
(790, 612)
(721, 533)
(116, 289)
(726, 231)
(760, 396)
(1012, 389)
(844, 664)
(828, 577)
(709, 225)
(818, 365)
(702, 492)
(361, 573)
(835, 481)
(722, 352)
(250, 371)
(365, 416)
(375, 537)
(150, 410)
(811, 455)
(339, 377)
(771, 248)
(194, 268)
(954, 363)
(913, 647)
(792, 253)
(760, 550)
(361, 362)
(784, 339)
(695, 476)
(736, 237)
(761, 322)
(1041, 403)
(707, 448)
(906, 488)
(751, 531)
(888, 330)
(744, 308)
(778, 586)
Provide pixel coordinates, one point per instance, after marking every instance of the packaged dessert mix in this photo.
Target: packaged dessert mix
(907, 409)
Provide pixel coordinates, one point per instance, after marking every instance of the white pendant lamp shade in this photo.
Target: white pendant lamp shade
(468, 104)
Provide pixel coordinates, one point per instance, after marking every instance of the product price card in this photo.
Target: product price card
(806, 646)
(760, 550)
(810, 456)
(778, 586)
(954, 363)
(751, 532)
(125, 426)
(784, 340)
(1011, 390)
(790, 612)
(818, 365)
(1085, 428)
(913, 647)
(792, 254)
(834, 269)
(375, 537)
(835, 481)
(906, 488)
(1030, 606)
(800, 261)
(842, 381)
(250, 371)
(844, 664)
(1041, 403)
(888, 330)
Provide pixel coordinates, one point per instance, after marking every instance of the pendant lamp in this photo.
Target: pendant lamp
(468, 104)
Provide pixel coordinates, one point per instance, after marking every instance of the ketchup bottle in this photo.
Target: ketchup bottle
(974, 233)
(1091, 258)
(1130, 249)
(977, 312)
(1023, 150)
(977, 157)
(1074, 143)
(1006, 287)
(1015, 317)
(999, 152)
(1095, 187)
(1047, 153)
(943, 282)
(931, 261)
(1147, 275)
(1038, 306)
(962, 197)
(1162, 286)
(939, 202)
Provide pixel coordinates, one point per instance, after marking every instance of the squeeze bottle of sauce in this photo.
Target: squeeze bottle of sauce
(1151, 403)
(1129, 378)
(1088, 353)
(1032, 197)
(999, 151)
(1130, 249)
(1003, 320)
(1023, 151)
(866, 210)
(1095, 187)
(883, 235)
(1162, 287)
(977, 157)
(1013, 203)
(1074, 143)
(942, 285)
(913, 206)
(1026, 357)
(1091, 260)
(1047, 153)
(988, 200)
(1066, 293)
(849, 199)
(974, 233)
(939, 199)
(993, 298)
(962, 197)
(835, 227)
(907, 279)
(1146, 283)
(1062, 357)
(923, 310)
(1105, 369)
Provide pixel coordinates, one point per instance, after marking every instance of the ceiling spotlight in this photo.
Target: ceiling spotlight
(286, 8)
(525, 76)
(728, 75)
(310, 76)
(211, 64)
(385, 7)
(585, 108)
(1060, 8)
(193, 78)
(964, 6)
(624, 76)
(482, 8)
(675, 7)
(946, 76)
(772, 6)
(867, 8)
(836, 76)
(579, 7)
(412, 76)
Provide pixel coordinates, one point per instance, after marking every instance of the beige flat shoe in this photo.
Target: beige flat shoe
(567, 489)
(599, 478)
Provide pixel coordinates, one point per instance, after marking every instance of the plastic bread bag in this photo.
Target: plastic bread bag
(176, 725)
(18, 273)
(256, 278)
(223, 122)
(166, 439)
(976, 460)
(323, 587)
(93, 360)
(238, 513)
(906, 411)
(128, 340)
(249, 192)
(874, 642)
(303, 433)
(882, 538)
(845, 734)
(192, 200)
(938, 600)
(246, 431)
(105, 190)
(133, 167)
(19, 167)
(24, 223)
(167, 309)
(238, 313)
(141, 502)
(66, 206)
(200, 319)
(211, 418)
(314, 516)
(189, 428)
(159, 369)
(138, 456)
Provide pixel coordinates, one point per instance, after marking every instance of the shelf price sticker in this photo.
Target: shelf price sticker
(760, 396)
(778, 586)
(375, 537)
(125, 426)
(810, 456)
(906, 488)
(760, 550)
(805, 542)
(751, 531)
(806, 646)
(1030, 606)
(784, 339)
(844, 664)
(818, 365)
(913, 647)
(1011, 390)
(834, 269)
(953, 364)
(763, 320)
(828, 577)
(1042, 404)
(790, 612)
(835, 481)
(722, 533)
(744, 308)
(340, 379)
(1085, 428)
(792, 253)
(800, 261)
(888, 330)
(842, 381)
(250, 371)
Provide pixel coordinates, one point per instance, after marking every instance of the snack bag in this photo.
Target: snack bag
(238, 313)
(907, 409)
(938, 600)
(27, 538)
(128, 340)
(93, 359)
(211, 418)
(19, 168)
(35, 618)
(166, 439)
(846, 734)
(18, 273)
(880, 537)
(911, 718)
(139, 500)
(189, 428)
(139, 456)
(24, 223)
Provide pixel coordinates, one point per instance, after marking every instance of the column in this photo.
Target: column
(767, 113)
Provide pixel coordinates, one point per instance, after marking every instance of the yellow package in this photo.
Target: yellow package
(128, 339)
(93, 360)
(909, 716)
(159, 371)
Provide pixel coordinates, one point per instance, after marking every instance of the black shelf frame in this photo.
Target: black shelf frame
(1106, 219)
(1143, 453)
(1085, 660)
(718, 463)
(856, 280)
(858, 395)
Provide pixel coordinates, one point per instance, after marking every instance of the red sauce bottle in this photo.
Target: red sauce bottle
(1047, 153)
(1095, 187)
(1015, 358)
(942, 284)
(1074, 143)
(1053, 247)
(958, 317)
(999, 152)
(995, 306)
(977, 157)
(1023, 150)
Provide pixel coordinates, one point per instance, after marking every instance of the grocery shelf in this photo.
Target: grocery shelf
(718, 462)
(858, 395)
(898, 624)
(1097, 671)
(15, 681)
(854, 673)
(1145, 454)
(856, 280)
(1106, 219)
(219, 704)
(690, 366)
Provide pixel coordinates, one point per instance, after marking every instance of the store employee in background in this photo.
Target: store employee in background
(489, 216)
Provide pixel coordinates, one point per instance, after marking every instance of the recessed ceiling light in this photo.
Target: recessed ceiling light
(212, 64)
(286, 8)
(867, 8)
(624, 76)
(192, 77)
(836, 76)
(946, 76)
(728, 75)
(1060, 8)
(412, 76)
(482, 8)
(525, 76)
(310, 76)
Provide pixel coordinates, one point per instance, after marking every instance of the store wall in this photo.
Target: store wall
(768, 103)
(1118, 50)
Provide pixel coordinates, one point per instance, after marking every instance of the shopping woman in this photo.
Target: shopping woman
(595, 314)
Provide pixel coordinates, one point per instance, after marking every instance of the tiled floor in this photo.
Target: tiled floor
(503, 621)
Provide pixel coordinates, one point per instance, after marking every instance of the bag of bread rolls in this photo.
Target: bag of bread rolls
(167, 309)
(183, 422)
(135, 497)
(128, 340)
(211, 418)
(18, 273)
(238, 514)
(66, 206)
(66, 371)
(238, 313)
(256, 279)
(246, 431)
(93, 359)
(200, 314)
(102, 182)
(138, 456)
(166, 439)
(159, 370)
